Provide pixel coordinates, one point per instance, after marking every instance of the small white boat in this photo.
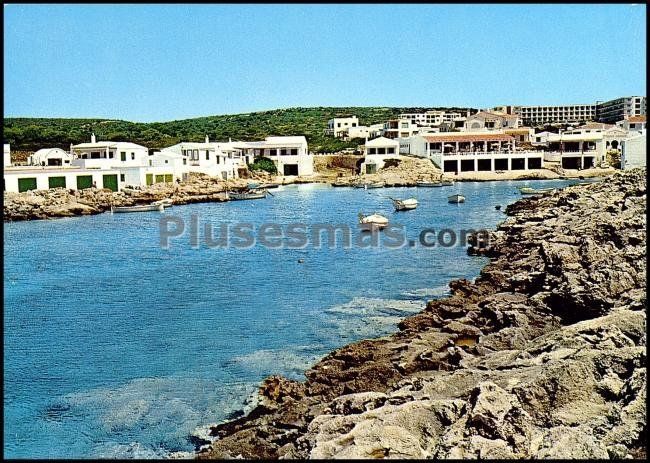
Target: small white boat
(374, 221)
(369, 185)
(428, 184)
(165, 202)
(139, 208)
(456, 199)
(447, 182)
(405, 204)
(256, 194)
(524, 190)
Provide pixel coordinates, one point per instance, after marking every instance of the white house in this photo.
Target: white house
(337, 126)
(633, 151)
(204, 157)
(363, 131)
(377, 151)
(109, 154)
(399, 128)
(633, 123)
(50, 157)
(491, 120)
(19, 179)
(488, 150)
(290, 154)
(7, 155)
(576, 150)
(541, 138)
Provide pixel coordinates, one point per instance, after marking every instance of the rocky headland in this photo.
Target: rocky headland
(543, 356)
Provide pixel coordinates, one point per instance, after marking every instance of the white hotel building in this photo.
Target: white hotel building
(289, 154)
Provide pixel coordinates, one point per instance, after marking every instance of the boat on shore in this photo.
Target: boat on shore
(138, 208)
(405, 204)
(428, 184)
(373, 221)
(524, 190)
(456, 199)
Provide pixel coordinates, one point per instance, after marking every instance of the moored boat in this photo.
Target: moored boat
(456, 199)
(405, 204)
(428, 184)
(446, 182)
(373, 221)
(250, 194)
(165, 202)
(138, 208)
(524, 190)
(368, 185)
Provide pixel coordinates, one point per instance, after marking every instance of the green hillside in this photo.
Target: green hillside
(30, 134)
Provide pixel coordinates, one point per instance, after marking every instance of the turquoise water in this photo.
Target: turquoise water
(114, 347)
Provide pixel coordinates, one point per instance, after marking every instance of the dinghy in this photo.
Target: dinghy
(456, 199)
(405, 204)
(373, 222)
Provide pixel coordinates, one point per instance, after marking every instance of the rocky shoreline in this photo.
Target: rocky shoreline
(543, 356)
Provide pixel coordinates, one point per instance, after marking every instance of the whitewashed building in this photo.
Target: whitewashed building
(339, 125)
(376, 153)
(25, 178)
(634, 151)
(541, 138)
(488, 151)
(7, 155)
(290, 154)
(399, 128)
(485, 120)
(50, 157)
(363, 131)
(203, 157)
(633, 124)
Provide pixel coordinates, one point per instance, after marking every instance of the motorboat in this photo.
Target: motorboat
(456, 199)
(369, 185)
(373, 221)
(428, 184)
(138, 208)
(446, 182)
(405, 204)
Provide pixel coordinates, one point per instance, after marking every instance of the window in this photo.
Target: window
(372, 151)
(195, 155)
(218, 160)
(294, 152)
(166, 161)
(273, 152)
(122, 178)
(207, 156)
(184, 161)
(94, 155)
(405, 125)
(123, 156)
(339, 124)
(132, 156)
(381, 150)
(111, 154)
(390, 150)
(283, 152)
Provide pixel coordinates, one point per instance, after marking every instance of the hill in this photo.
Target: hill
(30, 134)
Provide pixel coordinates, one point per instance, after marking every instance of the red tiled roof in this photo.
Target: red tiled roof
(465, 137)
(636, 119)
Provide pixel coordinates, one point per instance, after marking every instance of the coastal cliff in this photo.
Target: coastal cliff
(543, 356)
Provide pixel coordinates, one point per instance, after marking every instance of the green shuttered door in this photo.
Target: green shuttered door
(56, 182)
(160, 178)
(169, 178)
(25, 184)
(149, 179)
(110, 182)
(84, 181)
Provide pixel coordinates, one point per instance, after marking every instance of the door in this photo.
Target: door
(169, 178)
(56, 182)
(291, 169)
(84, 181)
(149, 179)
(26, 184)
(110, 182)
(371, 168)
(160, 178)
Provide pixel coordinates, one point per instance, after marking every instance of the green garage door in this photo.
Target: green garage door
(160, 178)
(84, 181)
(110, 182)
(25, 184)
(169, 178)
(56, 182)
(149, 179)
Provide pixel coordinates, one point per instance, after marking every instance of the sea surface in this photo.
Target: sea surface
(116, 347)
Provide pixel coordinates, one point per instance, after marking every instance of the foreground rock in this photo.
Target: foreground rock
(543, 356)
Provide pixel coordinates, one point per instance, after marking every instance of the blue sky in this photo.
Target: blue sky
(165, 62)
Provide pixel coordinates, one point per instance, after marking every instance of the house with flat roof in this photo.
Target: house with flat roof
(106, 154)
(486, 120)
(487, 150)
(339, 125)
(203, 157)
(290, 154)
(25, 178)
(376, 153)
(399, 128)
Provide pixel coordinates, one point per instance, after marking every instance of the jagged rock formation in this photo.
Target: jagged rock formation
(544, 356)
